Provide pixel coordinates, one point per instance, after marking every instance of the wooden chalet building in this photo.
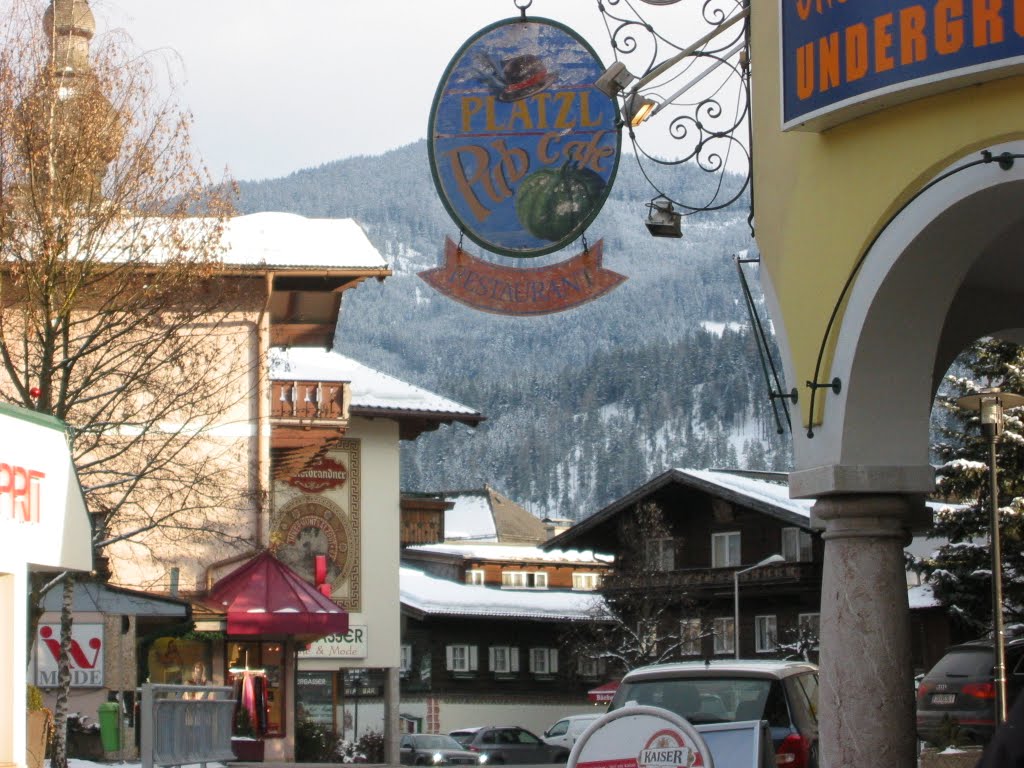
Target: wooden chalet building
(485, 613)
(716, 529)
(712, 526)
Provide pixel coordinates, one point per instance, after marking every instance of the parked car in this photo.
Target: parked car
(960, 690)
(508, 744)
(434, 749)
(565, 732)
(785, 693)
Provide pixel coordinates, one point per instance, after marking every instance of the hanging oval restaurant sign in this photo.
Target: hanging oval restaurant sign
(523, 147)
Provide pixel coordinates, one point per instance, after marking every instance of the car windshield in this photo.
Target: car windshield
(973, 662)
(706, 699)
(434, 741)
(463, 737)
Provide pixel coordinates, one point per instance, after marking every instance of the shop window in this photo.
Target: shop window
(256, 671)
(173, 659)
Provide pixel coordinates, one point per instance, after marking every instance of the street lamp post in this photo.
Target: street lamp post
(736, 597)
(990, 403)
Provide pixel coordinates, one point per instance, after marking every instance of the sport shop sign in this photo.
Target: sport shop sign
(844, 58)
(523, 152)
(85, 655)
(43, 519)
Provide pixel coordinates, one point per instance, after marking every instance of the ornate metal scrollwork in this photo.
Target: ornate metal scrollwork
(702, 93)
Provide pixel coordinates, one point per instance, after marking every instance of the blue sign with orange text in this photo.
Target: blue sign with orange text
(844, 58)
(523, 146)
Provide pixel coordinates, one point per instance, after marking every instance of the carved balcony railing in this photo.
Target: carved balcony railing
(306, 400)
(306, 418)
(716, 580)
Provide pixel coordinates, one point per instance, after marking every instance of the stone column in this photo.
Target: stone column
(866, 698)
(392, 733)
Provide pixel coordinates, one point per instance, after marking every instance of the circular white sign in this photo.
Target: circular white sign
(640, 737)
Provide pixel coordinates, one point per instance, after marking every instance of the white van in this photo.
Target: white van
(565, 732)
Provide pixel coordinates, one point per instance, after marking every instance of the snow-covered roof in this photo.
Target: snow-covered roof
(484, 515)
(432, 596)
(753, 489)
(470, 518)
(371, 389)
(512, 553)
(764, 495)
(287, 240)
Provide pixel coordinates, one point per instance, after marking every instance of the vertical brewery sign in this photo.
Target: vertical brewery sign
(523, 151)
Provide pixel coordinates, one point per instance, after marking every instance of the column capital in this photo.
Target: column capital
(878, 515)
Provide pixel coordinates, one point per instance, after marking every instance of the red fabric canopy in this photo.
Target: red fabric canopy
(266, 597)
(603, 693)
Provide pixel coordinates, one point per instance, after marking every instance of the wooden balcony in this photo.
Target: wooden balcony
(306, 417)
(310, 400)
(709, 582)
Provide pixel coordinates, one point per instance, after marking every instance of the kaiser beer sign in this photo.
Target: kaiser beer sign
(523, 152)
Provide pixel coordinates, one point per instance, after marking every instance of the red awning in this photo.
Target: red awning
(603, 693)
(266, 597)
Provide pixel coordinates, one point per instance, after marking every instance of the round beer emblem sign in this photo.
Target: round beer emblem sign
(640, 737)
(523, 147)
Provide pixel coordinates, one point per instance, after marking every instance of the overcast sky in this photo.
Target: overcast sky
(280, 85)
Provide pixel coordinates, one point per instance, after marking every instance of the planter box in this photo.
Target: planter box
(38, 728)
(248, 750)
(965, 757)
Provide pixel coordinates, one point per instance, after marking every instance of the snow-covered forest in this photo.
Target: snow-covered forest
(584, 405)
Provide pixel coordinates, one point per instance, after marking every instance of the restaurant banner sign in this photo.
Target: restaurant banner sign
(491, 288)
(523, 151)
(845, 58)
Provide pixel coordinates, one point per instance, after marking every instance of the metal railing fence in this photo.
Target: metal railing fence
(183, 724)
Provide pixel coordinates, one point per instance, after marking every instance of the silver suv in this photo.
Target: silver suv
(785, 693)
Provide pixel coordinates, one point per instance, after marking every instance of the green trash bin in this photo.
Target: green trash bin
(110, 726)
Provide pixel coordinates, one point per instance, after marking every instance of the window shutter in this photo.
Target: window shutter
(513, 659)
(449, 657)
(552, 660)
(473, 665)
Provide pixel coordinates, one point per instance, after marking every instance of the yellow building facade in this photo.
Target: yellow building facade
(888, 180)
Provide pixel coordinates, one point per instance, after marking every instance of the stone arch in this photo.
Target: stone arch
(946, 270)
